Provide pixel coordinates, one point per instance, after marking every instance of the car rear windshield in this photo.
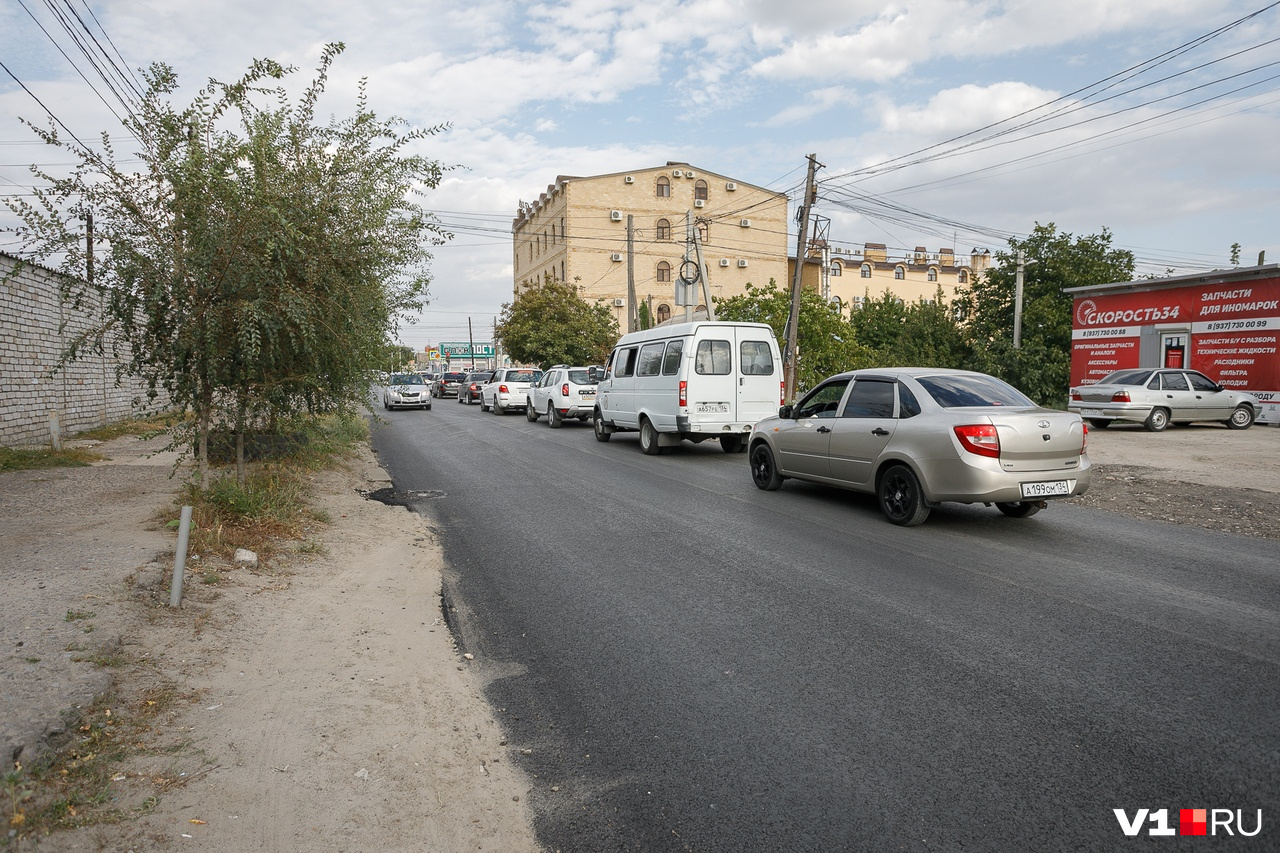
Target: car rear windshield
(454, 377)
(952, 392)
(581, 377)
(1126, 377)
(523, 376)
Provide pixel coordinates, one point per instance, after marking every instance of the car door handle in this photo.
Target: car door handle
(879, 431)
(824, 429)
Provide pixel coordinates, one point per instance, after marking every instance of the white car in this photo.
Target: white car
(407, 391)
(563, 392)
(508, 389)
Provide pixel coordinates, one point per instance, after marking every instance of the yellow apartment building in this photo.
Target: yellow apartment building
(847, 277)
(576, 232)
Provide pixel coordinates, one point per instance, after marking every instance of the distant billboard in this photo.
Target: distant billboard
(456, 349)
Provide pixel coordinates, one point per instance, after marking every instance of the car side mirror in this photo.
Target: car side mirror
(786, 412)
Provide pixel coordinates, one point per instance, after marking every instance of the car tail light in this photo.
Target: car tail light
(1076, 397)
(782, 394)
(1121, 397)
(1084, 442)
(684, 393)
(564, 390)
(981, 439)
(502, 389)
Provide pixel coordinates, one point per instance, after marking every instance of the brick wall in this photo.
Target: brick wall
(83, 394)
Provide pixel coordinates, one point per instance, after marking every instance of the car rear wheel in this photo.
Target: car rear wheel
(1022, 509)
(901, 499)
(764, 472)
(731, 443)
(498, 408)
(649, 438)
(553, 417)
(1099, 423)
(1157, 420)
(1241, 418)
(530, 413)
(599, 427)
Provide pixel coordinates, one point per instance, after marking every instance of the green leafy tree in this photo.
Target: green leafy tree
(644, 318)
(257, 262)
(827, 344)
(551, 323)
(1041, 368)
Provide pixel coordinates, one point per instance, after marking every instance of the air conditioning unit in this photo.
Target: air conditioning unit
(615, 215)
(689, 174)
(742, 262)
(629, 179)
(618, 303)
(697, 202)
(676, 173)
(746, 223)
(731, 186)
(616, 256)
(724, 262)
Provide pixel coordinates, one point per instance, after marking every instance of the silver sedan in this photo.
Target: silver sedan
(1157, 397)
(916, 437)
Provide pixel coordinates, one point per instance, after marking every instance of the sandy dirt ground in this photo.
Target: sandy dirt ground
(317, 702)
(315, 705)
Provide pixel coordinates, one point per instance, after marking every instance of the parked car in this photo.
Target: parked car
(563, 392)
(406, 391)
(690, 381)
(916, 437)
(469, 390)
(508, 389)
(1157, 397)
(448, 384)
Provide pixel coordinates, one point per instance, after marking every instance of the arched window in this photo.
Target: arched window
(933, 273)
(700, 190)
(664, 313)
(866, 270)
(562, 270)
(837, 268)
(664, 271)
(662, 231)
(664, 187)
(964, 276)
(899, 272)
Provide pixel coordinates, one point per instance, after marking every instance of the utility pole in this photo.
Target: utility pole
(632, 309)
(1017, 301)
(702, 273)
(471, 341)
(791, 344)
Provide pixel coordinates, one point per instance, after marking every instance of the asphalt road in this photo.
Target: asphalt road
(695, 664)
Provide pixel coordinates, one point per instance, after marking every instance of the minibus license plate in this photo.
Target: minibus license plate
(713, 408)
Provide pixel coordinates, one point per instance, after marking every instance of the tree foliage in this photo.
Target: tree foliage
(922, 334)
(827, 342)
(1041, 368)
(257, 262)
(551, 323)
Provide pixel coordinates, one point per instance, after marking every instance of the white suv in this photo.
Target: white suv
(564, 392)
(508, 389)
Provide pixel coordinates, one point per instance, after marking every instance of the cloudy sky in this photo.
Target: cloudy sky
(942, 123)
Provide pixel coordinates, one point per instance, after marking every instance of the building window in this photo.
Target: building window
(663, 230)
(836, 268)
(866, 270)
(562, 271)
(700, 190)
(899, 273)
(664, 271)
(963, 277)
(664, 313)
(933, 273)
(664, 187)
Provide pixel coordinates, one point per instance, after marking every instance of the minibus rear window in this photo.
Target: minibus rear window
(713, 358)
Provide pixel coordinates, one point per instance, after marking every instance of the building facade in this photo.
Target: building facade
(577, 232)
(848, 277)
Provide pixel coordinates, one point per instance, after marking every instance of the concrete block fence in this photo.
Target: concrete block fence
(37, 397)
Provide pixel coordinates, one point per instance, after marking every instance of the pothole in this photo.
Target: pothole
(405, 498)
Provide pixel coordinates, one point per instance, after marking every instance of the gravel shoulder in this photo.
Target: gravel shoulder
(319, 703)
